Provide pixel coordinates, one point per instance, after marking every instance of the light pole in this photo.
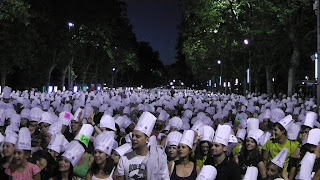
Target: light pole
(317, 11)
(246, 42)
(113, 76)
(70, 25)
(220, 79)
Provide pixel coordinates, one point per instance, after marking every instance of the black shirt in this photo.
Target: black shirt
(227, 170)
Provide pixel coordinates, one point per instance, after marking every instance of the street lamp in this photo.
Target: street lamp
(220, 79)
(70, 25)
(246, 42)
(113, 76)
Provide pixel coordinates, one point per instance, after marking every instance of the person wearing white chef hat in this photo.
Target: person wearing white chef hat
(226, 167)
(173, 140)
(8, 150)
(143, 162)
(275, 168)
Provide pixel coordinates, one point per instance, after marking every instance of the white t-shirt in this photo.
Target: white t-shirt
(129, 166)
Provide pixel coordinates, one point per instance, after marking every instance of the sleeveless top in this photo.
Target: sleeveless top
(192, 176)
(82, 170)
(108, 178)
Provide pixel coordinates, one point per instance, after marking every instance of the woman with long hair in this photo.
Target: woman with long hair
(103, 165)
(47, 164)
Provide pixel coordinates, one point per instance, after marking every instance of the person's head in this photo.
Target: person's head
(205, 147)
(218, 149)
(139, 139)
(173, 128)
(251, 144)
(65, 165)
(43, 159)
(21, 156)
(33, 126)
(99, 156)
(8, 149)
(115, 156)
(44, 127)
(273, 171)
(172, 151)
(24, 122)
(159, 126)
(184, 150)
(75, 126)
(102, 161)
(53, 153)
(279, 131)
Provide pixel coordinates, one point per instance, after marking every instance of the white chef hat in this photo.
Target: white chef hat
(55, 128)
(25, 113)
(74, 152)
(56, 142)
(174, 138)
(123, 149)
(107, 122)
(255, 134)
(276, 115)
(264, 138)
(15, 120)
(208, 134)
(241, 133)
(11, 137)
(222, 134)
(146, 123)
(207, 172)
(251, 173)
(46, 117)
(252, 123)
(24, 139)
(286, 122)
(280, 158)
(6, 92)
(76, 114)
(293, 132)
(65, 118)
(310, 119)
(85, 134)
(35, 114)
(104, 143)
(187, 138)
(175, 122)
(314, 137)
(306, 167)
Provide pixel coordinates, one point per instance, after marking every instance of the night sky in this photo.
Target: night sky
(156, 22)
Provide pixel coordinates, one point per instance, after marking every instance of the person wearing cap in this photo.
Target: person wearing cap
(8, 151)
(280, 141)
(120, 151)
(143, 163)
(22, 168)
(227, 168)
(184, 168)
(203, 149)
(173, 140)
(47, 164)
(103, 165)
(250, 154)
(275, 168)
(25, 117)
(35, 117)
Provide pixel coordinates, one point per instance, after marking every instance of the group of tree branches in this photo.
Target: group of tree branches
(281, 35)
(37, 46)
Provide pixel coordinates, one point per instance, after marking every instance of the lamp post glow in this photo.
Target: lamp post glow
(70, 24)
(246, 42)
(220, 79)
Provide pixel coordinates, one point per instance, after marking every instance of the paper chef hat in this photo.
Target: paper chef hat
(35, 114)
(222, 134)
(251, 173)
(241, 133)
(56, 142)
(264, 138)
(65, 118)
(280, 158)
(187, 138)
(255, 134)
(306, 167)
(46, 117)
(208, 134)
(310, 119)
(146, 123)
(74, 152)
(314, 137)
(85, 134)
(76, 116)
(123, 149)
(6, 92)
(174, 138)
(276, 115)
(293, 132)
(104, 143)
(252, 123)
(55, 128)
(286, 122)
(207, 172)
(11, 137)
(24, 139)
(175, 122)
(107, 122)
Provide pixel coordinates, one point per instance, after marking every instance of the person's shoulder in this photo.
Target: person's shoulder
(129, 155)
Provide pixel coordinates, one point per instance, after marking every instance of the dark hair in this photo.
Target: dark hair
(118, 129)
(279, 169)
(198, 152)
(109, 165)
(248, 157)
(281, 128)
(52, 166)
(70, 172)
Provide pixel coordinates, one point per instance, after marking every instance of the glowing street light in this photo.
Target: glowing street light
(246, 42)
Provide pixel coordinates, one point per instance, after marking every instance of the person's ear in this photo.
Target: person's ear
(224, 148)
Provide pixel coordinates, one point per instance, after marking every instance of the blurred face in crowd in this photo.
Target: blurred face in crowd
(75, 126)
(44, 127)
(53, 153)
(115, 156)
(184, 150)
(277, 132)
(33, 126)
(8, 149)
(139, 139)
(272, 171)
(172, 128)
(205, 148)
(99, 156)
(20, 156)
(172, 151)
(42, 163)
(218, 149)
(64, 164)
(24, 122)
(250, 144)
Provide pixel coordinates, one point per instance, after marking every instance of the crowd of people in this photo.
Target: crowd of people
(157, 134)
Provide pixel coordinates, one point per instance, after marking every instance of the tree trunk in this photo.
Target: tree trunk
(269, 81)
(63, 78)
(49, 74)
(3, 78)
(294, 62)
(244, 85)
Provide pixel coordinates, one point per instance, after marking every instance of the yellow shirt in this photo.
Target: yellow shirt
(274, 148)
